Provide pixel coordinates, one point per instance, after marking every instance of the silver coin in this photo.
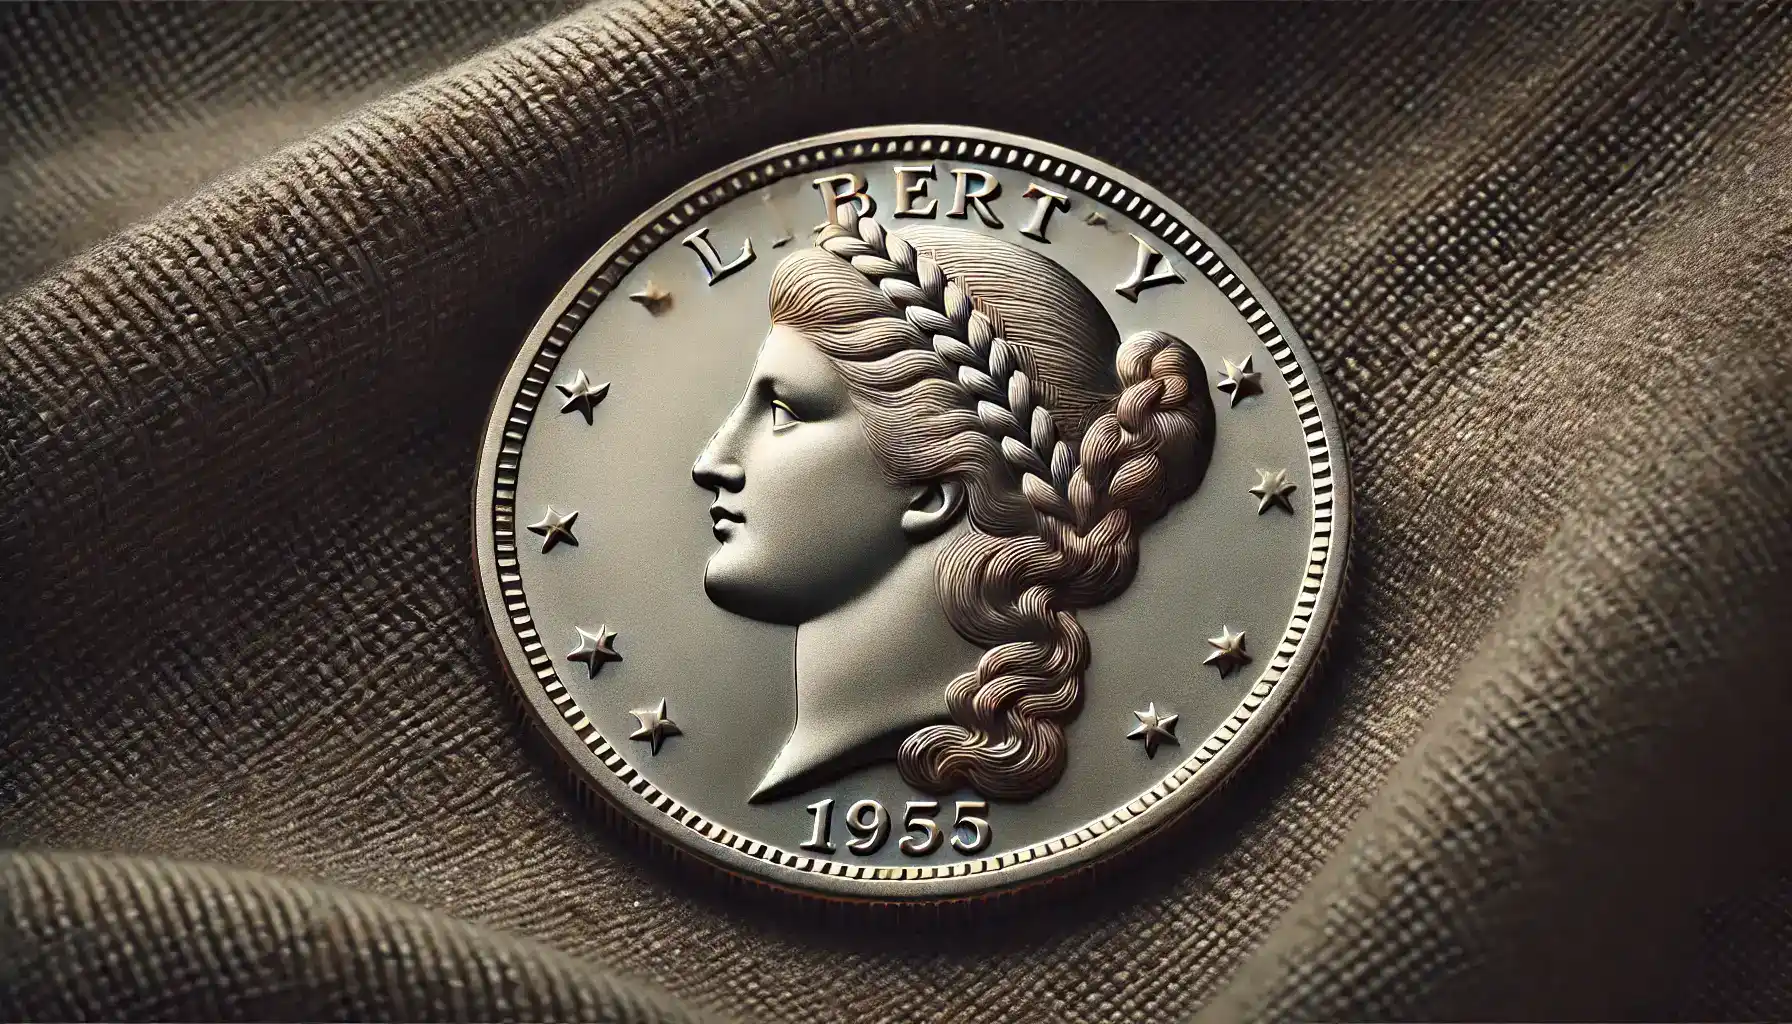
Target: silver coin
(910, 513)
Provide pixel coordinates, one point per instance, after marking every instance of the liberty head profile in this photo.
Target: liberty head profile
(943, 452)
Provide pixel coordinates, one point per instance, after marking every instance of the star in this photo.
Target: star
(654, 298)
(781, 241)
(582, 395)
(1240, 381)
(556, 528)
(1094, 219)
(1154, 729)
(595, 649)
(1228, 651)
(1273, 489)
(655, 727)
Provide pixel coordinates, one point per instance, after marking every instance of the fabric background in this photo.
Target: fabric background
(259, 758)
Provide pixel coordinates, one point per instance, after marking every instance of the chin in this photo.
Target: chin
(726, 583)
(733, 586)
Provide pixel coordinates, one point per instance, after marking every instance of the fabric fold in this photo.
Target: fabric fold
(94, 937)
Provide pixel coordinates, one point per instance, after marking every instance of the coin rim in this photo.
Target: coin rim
(609, 772)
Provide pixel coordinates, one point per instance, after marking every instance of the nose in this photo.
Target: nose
(714, 472)
(719, 466)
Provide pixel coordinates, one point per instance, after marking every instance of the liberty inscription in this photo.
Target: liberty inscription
(973, 191)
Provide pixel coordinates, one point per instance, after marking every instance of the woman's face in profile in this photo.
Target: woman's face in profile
(804, 515)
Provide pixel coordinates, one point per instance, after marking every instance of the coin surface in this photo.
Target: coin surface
(910, 513)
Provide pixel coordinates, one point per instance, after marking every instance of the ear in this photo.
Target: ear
(933, 509)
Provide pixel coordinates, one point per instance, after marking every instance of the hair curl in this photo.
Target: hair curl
(975, 359)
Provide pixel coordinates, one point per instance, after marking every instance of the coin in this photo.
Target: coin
(910, 514)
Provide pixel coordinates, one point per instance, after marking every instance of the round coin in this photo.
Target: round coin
(910, 514)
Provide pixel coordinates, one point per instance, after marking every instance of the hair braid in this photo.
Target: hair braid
(1015, 589)
(967, 336)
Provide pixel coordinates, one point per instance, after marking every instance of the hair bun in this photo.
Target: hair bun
(1156, 355)
(1166, 418)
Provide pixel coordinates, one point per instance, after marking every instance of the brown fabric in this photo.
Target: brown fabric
(116, 111)
(1541, 252)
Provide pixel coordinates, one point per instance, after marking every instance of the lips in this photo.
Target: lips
(724, 520)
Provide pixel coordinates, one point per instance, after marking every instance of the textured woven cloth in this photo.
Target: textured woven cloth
(260, 760)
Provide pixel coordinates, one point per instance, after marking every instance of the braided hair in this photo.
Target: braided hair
(975, 359)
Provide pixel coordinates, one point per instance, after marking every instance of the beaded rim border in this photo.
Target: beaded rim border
(529, 376)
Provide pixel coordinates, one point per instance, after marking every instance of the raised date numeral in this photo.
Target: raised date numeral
(869, 824)
(924, 835)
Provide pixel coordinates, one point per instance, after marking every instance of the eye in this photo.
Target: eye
(782, 416)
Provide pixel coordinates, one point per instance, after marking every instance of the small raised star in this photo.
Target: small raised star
(1094, 219)
(1228, 651)
(595, 649)
(653, 298)
(1240, 381)
(655, 727)
(582, 395)
(1154, 729)
(1272, 490)
(555, 528)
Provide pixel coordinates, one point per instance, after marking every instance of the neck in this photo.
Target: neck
(867, 674)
